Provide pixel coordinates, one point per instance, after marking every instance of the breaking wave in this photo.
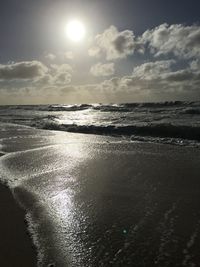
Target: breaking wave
(124, 107)
(142, 121)
(191, 111)
(159, 130)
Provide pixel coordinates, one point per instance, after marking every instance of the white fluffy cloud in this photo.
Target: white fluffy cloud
(150, 81)
(114, 44)
(152, 70)
(69, 55)
(62, 74)
(100, 69)
(34, 74)
(182, 41)
(22, 70)
(175, 74)
(50, 56)
(156, 78)
(177, 39)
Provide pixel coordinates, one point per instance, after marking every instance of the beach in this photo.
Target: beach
(16, 246)
(97, 201)
(100, 133)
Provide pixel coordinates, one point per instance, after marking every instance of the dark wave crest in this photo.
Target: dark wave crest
(159, 130)
(68, 107)
(124, 107)
(191, 111)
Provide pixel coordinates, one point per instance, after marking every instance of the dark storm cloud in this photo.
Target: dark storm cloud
(22, 70)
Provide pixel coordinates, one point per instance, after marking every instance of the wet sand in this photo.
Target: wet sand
(16, 248)
(94, 201)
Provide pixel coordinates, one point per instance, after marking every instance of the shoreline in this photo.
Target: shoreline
(16, 246)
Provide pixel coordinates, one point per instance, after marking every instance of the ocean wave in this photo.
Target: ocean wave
(151, 130)
(177, 120)
(153, 106)
(123, 107)
(112, 108)
(48, 107)
(191, 111)
(68, 107)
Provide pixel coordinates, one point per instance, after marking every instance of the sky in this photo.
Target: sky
(132, 51)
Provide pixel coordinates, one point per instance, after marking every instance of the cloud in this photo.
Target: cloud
(62, 68)
(155, 79)
(51, 56)
(185, 75)
(103, 69)
(160, 72)
(152, 70)
(22, 70)
(34, 74)
(182, 41)
(151, 81)
(175, 74)
(114, 44)
(195, 64)
(95, 51)
(62, 74)
(60, 56)
(69, 55)
(177, 39)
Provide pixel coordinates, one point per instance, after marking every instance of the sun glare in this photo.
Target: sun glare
(75, 30)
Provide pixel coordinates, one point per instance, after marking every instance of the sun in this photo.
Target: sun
(75, 30)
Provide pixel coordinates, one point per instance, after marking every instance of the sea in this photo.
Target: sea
(166, 122)
(175, 122)
(106, 185)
